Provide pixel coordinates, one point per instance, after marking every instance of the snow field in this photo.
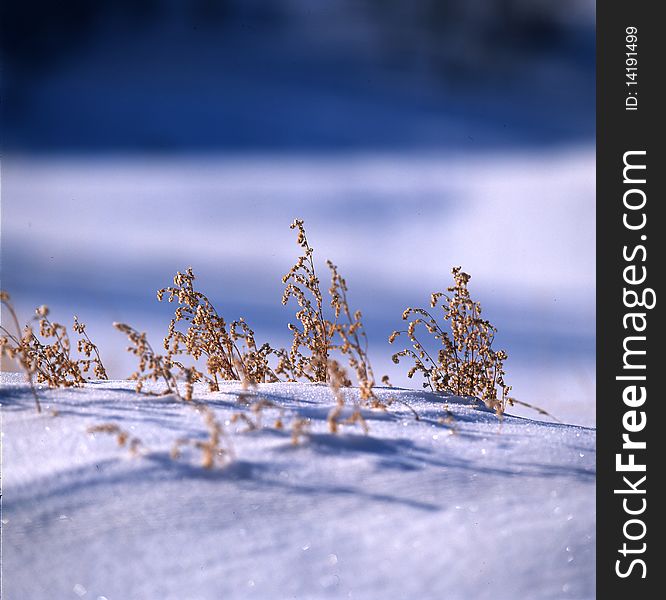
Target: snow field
(411, 510)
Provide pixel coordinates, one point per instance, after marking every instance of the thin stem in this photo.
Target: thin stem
(22, 361)
(96, 351)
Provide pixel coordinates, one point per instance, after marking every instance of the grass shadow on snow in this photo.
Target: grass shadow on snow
(329, 444)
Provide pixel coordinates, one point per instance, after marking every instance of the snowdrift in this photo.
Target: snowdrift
(467, 509)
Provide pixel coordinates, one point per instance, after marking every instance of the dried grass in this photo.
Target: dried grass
(465, 363)
(300, 429)
(229, 350)
(317, 336)
(15, 346)
(47, 356)
(308, 355)
(337, 382)
(353, 340)
(123, 438)
(328, 341)
(257, 408)
(152, 366)
(216, 449)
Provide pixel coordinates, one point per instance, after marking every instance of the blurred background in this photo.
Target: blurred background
(144, 136)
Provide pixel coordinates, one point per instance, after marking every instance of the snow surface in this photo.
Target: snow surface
(410, 511)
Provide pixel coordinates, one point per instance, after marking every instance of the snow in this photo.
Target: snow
(415, 509)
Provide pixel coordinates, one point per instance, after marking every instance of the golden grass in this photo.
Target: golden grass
(123, 438)
(311, 343)
(328, 342)
(152, 366)
(229, 350)
(47, 355)
(464, 361)
(216, 449)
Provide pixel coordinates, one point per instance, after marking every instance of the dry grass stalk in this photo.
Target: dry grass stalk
(123, 438)
(49, 359)
(250, 424)
(308, 355)
(314, 338)
(317, 336)
(257, 408)
(353, 339)
(152, 366)
(15, 346)
(448, 420)
(337, 382)
(229, 350)
(215, 449)
(299, 429)
(86, 347)
(465, 364)
(55, 364)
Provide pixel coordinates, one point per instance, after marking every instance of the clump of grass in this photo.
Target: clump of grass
(229, 350)
(465, 363)
(317, 336)
(308, 356)
(55, 365)
(155, 367)
(123, 438)
(353, 339)
(54, 362)
(48, 356)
